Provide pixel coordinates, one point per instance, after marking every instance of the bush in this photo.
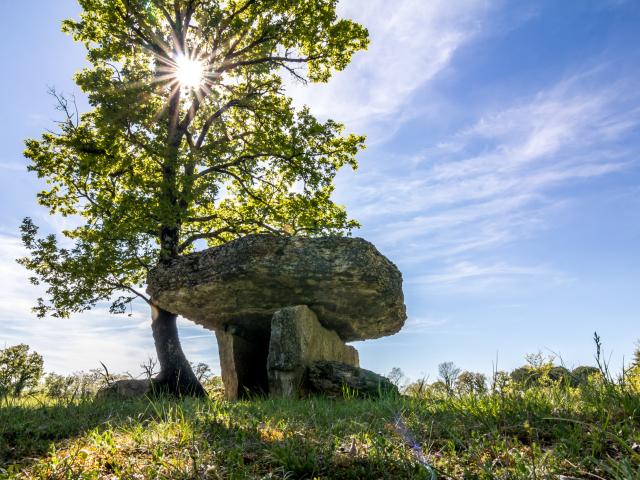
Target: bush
(529, 375)
(19, 370)
(581, 375)
(80, 385)
(559, 375)
(526, 376)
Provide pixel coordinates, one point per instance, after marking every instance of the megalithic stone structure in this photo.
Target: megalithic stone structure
(279, 304)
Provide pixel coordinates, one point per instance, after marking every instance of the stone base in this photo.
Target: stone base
(336, 380)
(275, 362)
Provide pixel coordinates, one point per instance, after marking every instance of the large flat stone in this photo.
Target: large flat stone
(352, 288)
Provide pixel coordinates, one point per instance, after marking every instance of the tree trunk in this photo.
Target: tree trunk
(176, 376)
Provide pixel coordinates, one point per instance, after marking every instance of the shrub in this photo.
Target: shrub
(19, 370)
(80, 385)
(559, 375)
(529, 376)
(581, 375)
(526, 376)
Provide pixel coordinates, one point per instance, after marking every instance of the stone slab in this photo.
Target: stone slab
(352, 288)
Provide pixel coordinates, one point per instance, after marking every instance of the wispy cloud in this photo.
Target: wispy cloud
(13, 166)
(411, 42)
(505, 163)
(470, 277)
(423, 324)
(498, 179)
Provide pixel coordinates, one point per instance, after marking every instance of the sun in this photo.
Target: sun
(189, 72)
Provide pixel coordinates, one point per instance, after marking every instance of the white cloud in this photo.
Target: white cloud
(13, 166)
(423, 324)
(411, 42)
(497, 180)
(505, 162)
(470, 277)
(555, 137)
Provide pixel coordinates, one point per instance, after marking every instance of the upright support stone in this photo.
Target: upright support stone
(297, 340)
(242, 363)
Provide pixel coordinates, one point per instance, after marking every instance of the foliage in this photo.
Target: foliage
(202, 371)
(417, 388)
(500, 381)
(584, 374)
(154, 168)
(471, 382)
(541, 370)
(19, 370)
(80, 385)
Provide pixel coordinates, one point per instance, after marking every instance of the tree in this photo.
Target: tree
(448, 374)
(418, 388)
(19, 370)
(397, 377)
(471, 382)
(190, 140)
(202, 371)
(79, 385)
(527, 376)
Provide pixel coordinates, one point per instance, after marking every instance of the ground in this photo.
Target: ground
(542, 432)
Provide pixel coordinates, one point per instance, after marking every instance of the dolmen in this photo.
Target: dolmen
(283, 308)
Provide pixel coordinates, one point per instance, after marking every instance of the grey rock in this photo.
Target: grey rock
(237, 287)
(297, 340)
(331, 378)
(125, 389)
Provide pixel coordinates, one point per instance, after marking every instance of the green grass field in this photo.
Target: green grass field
(542, 432)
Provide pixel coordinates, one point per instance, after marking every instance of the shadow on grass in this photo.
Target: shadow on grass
(27, 429)
(310, 438)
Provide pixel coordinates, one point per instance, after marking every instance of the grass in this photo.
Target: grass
(541, 432)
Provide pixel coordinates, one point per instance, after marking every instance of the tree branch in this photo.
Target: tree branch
(278, 60)
(207, 125)
(202, 236)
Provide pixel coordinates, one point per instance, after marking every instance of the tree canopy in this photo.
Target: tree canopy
(155, 166)
(19, 370)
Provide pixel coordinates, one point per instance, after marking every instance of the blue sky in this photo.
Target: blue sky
(502, 176)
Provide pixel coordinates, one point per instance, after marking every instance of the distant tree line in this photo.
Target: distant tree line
(539, 371)
(22, 373)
